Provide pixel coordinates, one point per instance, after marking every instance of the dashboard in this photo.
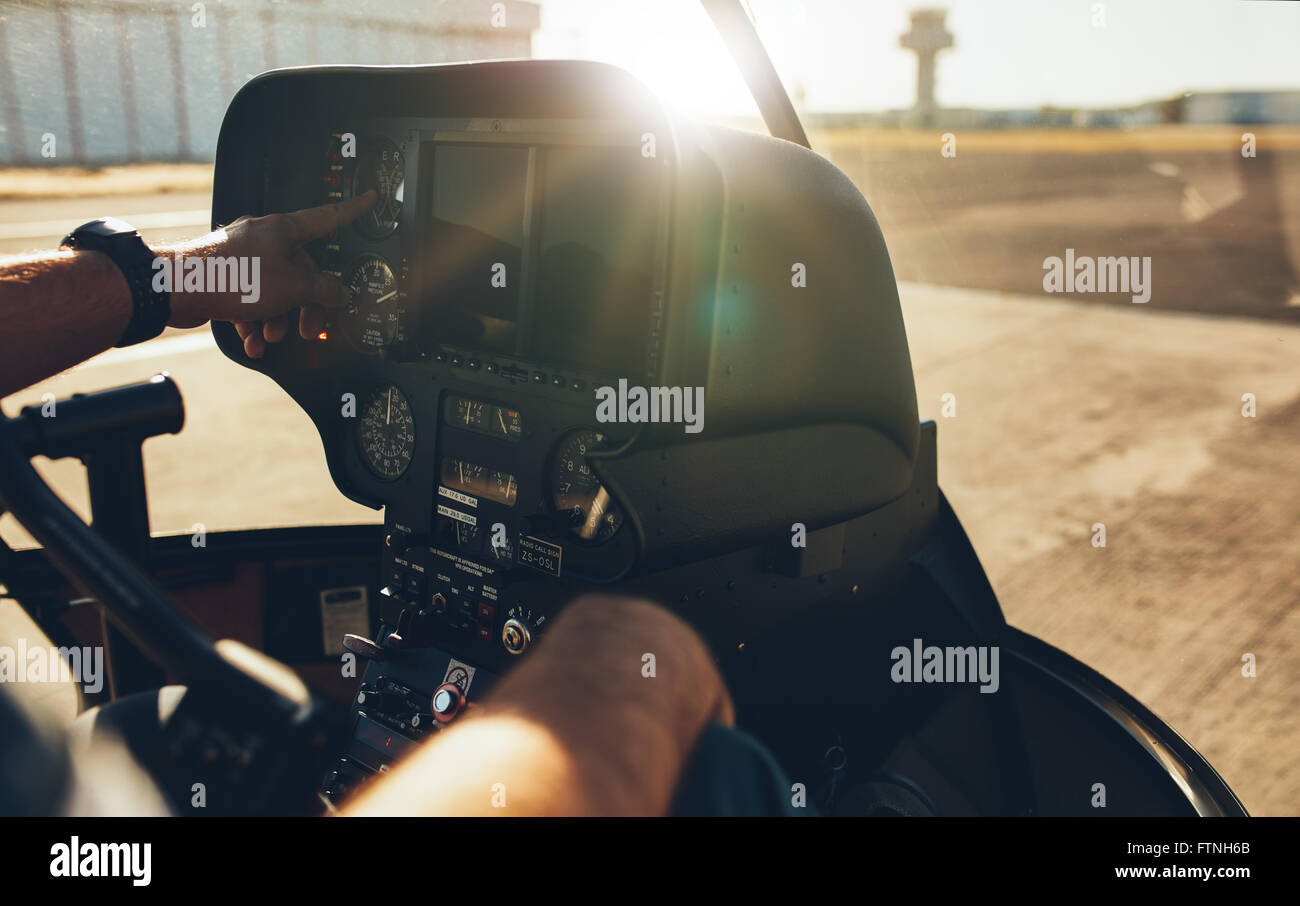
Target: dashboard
(547, 244)
(516, 265)
(502, 236)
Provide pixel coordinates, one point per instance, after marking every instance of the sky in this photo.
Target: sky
(1008, 53)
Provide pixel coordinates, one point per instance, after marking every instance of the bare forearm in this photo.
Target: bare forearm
(58, 309)
(578, 729)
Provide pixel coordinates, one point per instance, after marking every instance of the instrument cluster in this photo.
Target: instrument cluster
(376, 313)
(504, 273)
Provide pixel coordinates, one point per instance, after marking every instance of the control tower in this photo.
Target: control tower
(927, 37)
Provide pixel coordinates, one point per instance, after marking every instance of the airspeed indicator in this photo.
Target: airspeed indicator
(386, 433)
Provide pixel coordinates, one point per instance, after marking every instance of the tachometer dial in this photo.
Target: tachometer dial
(485, 418)
(580, 500)
(381, 167)
(468, 413)
(386, 433)
(373, 314)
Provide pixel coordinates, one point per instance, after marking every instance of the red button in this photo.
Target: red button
(486, 613)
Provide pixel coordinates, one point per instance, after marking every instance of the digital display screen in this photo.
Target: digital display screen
(379, 738)
(550, 260)
(472, 267)
(595, 251)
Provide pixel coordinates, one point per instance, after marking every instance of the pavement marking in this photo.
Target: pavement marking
(158, 220)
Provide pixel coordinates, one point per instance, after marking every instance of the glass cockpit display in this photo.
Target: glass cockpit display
(473, 244)
(595, 254)
(545, 251)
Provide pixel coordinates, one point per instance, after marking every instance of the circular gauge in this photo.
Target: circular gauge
(386, 433)
(381, 167)
(580, 500)
(466, 535)
(372, 314)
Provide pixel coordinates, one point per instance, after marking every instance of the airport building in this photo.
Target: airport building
(131, 80)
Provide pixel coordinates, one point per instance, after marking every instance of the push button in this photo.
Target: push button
(486, 615)
(448, 700)
(415, 584)
(465, 615)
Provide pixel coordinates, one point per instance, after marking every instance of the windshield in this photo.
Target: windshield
(1120, 445)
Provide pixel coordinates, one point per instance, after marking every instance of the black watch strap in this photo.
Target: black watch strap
(150, 309)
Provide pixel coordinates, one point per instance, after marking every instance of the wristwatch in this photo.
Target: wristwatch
(150, 309)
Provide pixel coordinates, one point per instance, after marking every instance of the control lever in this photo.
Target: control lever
(271, 729)
(394, 639)
(381, 700)
(364, 647)
(381, 651)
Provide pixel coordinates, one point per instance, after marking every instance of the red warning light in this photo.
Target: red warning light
(323, 335)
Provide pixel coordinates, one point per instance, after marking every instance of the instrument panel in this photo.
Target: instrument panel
(515, 263)
(516, 238)
(507, 270)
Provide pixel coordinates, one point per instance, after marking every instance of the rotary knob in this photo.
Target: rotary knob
(516, 635)
(448, 700)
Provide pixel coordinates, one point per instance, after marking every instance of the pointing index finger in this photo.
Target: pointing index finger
(313, 223)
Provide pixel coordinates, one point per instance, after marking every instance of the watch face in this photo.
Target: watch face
(103, 228)
(107, 226)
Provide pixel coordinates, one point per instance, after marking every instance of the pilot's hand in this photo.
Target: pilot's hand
(286, 275)
(599, 720)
